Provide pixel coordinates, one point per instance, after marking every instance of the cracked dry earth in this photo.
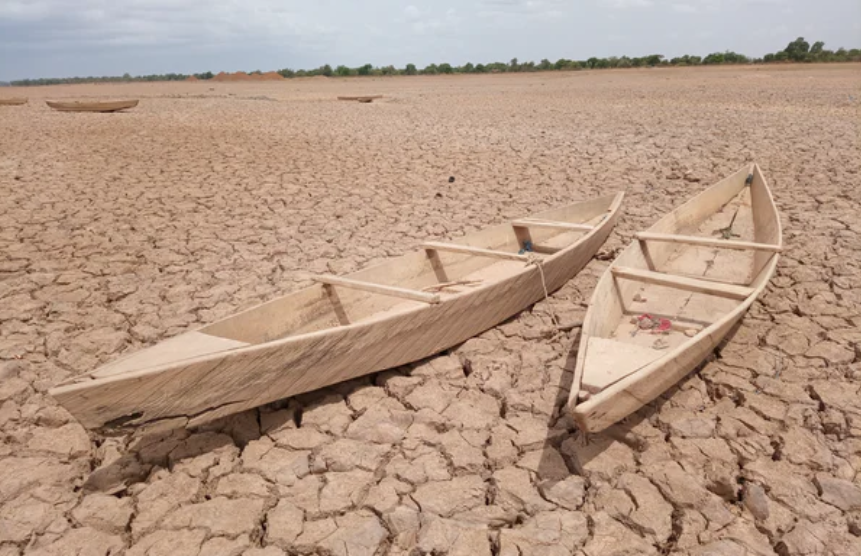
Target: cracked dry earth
(121, 230)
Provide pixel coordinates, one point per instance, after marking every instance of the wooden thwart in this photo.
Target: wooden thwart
(393, 291)
(709, 242)
(730, 291)
(454, 248)
(530, 223)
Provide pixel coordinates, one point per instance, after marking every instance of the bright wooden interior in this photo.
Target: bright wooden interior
(682, 271)
(377, 292)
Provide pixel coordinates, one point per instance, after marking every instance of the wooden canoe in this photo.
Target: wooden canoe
(365, 99)
(672, 295)
(340, 328)
(85, 106)
(14, 101)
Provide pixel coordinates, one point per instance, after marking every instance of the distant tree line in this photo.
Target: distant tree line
(798, 50)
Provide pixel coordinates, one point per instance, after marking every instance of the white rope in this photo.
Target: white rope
(533, 259)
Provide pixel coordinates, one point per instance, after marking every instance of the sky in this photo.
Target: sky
(62, 38)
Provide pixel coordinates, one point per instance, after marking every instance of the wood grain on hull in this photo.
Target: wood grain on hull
(114, 106)
(608, 308)
(204, 388)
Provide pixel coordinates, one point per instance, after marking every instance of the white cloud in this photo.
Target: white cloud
(627, 4)
(684, 8)
(532, 9)
(411, 12)
(424, 22)
(56, 23)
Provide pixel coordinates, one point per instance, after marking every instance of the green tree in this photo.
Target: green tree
(654, 59)
(798, 49)
(817, 47)
(343, 71)
(545, 65)
(480, 68)
(326, 70)
(468, 68)
(410, 69)
(431, 69)
(513, 65)
(445, 68)
(714, 58)
(365, 70)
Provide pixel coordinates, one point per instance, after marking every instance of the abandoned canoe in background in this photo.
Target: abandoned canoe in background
(343, 327)
(13, 101)
(693, 274)
(365, 99)
(111, 106)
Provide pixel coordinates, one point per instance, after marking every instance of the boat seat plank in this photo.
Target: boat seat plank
(731, 291)
(530, 223)
(381, 289)
(468, 249)
(609, 361)
(709, 242)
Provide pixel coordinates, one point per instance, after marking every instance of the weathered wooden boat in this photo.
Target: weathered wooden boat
(13, 101)
(93, 106)
(364, 99)
(339, 328)
(672, 295)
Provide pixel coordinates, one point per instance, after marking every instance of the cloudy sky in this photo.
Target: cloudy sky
(42, 38)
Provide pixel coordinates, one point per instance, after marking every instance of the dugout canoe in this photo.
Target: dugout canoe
(365, 99)
(89, 106)
(343, 327)
(672, 295)
(13, 101)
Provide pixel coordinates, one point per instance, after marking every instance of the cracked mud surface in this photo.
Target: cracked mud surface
(121, 230)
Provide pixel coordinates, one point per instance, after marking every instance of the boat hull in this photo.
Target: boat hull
(644, 385)
(92, 106)
(198, 390)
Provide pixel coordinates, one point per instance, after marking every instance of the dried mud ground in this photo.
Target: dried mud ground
(121, 230)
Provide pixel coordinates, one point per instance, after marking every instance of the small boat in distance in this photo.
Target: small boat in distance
(343, 327)
(364, 99)
(92, 106)
(13, 101)
(671, 297)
